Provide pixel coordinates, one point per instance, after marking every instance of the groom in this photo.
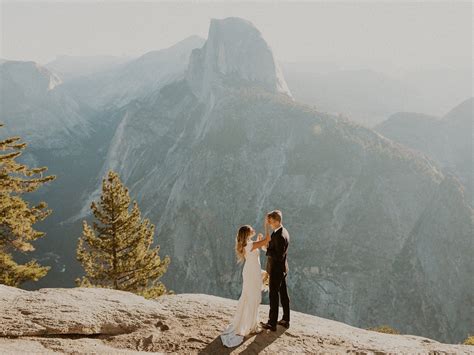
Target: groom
(277, 269)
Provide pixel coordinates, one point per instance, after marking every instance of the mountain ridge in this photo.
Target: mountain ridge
(446, 139)
(71, 66)
(36, 106)
(136, 78)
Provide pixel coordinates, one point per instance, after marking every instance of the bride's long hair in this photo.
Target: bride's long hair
(241, 242)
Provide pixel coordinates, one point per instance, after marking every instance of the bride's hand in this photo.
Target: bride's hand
(260, 236)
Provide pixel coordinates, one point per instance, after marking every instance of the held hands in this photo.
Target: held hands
(260, 242)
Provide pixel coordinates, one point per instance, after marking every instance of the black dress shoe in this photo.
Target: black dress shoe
(273, 328)
(284, 323)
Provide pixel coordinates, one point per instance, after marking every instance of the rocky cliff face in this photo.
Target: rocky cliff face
(108, 321)
(203, 159)
(234, 50)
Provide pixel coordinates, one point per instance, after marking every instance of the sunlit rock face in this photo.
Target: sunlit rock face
(208, 153)
(234, 50)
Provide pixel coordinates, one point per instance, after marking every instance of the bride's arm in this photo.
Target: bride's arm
(261, 243)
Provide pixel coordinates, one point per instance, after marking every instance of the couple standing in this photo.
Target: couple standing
(245, 320)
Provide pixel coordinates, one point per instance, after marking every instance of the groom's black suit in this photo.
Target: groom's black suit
(277, 268)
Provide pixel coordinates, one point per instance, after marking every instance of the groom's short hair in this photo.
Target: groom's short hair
(276, 215)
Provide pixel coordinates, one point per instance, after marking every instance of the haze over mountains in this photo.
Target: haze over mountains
(209, 136)
(139, 77)
(448, 139)
(36, 106)
(369, 96)
(70, 67)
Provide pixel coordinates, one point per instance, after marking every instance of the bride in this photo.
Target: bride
(245, 320)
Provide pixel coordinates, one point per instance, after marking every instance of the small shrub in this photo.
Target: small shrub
(469, 340)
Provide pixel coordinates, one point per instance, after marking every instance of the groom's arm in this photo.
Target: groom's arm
(267, 233)
(278, 246)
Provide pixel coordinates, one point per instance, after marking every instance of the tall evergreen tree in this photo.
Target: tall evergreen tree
(17, 216)
(117, 252)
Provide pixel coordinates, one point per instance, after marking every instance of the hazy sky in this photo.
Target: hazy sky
(353, 34)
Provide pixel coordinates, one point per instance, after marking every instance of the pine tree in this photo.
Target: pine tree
(116, 251)
(17, 216)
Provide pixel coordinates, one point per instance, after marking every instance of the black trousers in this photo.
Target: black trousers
(278, 292)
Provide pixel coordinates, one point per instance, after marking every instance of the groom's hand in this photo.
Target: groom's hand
(267, 238)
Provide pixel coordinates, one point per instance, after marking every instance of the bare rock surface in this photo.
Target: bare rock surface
(108, 321)
(78, 311)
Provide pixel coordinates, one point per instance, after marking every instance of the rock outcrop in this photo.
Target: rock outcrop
(108, 321)
(235, 51)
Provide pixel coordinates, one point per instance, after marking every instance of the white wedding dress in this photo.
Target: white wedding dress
(245, 320)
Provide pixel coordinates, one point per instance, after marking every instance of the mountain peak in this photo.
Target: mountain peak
(31, 76)
(462, 112)
(234, 49)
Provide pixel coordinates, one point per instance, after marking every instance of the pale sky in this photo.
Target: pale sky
(354, 34)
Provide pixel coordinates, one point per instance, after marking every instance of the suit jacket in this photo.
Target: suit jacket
(277, 250)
